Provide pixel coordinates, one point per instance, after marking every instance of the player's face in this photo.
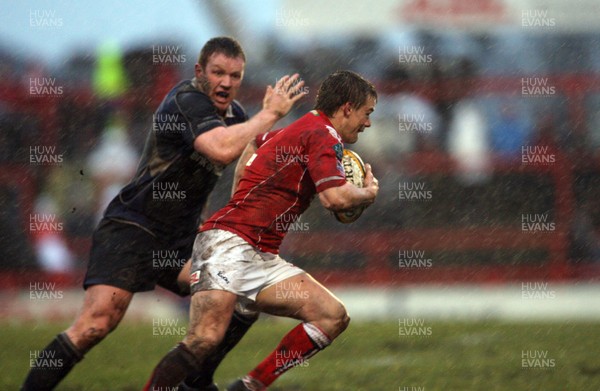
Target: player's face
(358, 120)
(221, 79)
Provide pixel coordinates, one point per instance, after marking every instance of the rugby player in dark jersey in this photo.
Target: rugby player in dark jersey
(236, 254)
(198, 129)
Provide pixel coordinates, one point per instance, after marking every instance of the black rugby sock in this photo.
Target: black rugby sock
(238, 327)
(51, 365)
(172, 369)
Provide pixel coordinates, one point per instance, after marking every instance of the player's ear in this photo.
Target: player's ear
(198, 71)
(347, 107)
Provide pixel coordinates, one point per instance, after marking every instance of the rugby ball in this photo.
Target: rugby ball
(354, 168)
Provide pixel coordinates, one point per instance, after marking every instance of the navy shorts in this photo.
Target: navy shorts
(128, 257)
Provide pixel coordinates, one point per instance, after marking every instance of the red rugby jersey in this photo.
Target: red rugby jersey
(281, 179)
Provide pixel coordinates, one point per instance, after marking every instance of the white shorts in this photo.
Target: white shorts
(221, 260)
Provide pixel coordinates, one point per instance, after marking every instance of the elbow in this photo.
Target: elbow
(215, 153)
(222, 157)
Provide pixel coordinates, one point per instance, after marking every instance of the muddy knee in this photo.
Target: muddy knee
(202, 345)
(86, 333)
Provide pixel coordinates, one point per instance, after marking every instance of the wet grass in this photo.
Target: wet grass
(419, 355)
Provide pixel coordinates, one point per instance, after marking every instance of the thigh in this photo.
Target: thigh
(172, 263)
(299, 297)
(224, 261)
(183, 280)
(122, 256)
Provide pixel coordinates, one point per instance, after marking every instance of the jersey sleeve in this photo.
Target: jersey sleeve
(199, 113)
(324, 160)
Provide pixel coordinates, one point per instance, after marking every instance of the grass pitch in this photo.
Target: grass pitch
(413, 356)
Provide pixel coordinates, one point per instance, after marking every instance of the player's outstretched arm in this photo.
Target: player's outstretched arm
(223, 145)
(349, 196)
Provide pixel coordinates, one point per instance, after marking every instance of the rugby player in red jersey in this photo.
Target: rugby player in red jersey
(235, 257)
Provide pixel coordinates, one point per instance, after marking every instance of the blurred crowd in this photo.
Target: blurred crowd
(476, 100)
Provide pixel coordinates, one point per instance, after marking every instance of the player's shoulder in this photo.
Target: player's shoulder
(189, 99)
(318, 127)
(261, 139)
(238, 111)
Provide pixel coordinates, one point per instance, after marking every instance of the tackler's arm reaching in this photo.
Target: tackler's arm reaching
(223, 145)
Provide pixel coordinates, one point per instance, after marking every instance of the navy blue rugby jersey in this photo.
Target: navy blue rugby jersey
(173, 181)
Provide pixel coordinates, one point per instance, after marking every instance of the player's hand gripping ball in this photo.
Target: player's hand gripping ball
(355, 174)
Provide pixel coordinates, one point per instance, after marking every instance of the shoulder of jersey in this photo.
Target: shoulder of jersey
(329, 128)
(333, 133)
(238, 109)
(188, 95)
